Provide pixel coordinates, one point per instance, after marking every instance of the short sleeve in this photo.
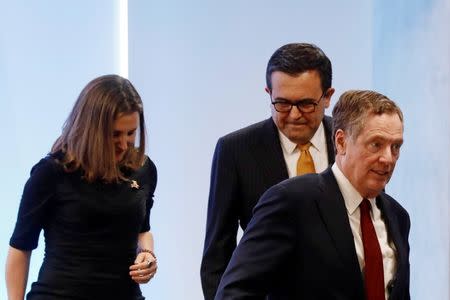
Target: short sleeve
(34, 205)
(149, 178)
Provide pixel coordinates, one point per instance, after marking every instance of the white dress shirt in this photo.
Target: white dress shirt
(352, 200)
(318, 151)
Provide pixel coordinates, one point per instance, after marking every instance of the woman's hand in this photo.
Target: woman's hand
(144, 267)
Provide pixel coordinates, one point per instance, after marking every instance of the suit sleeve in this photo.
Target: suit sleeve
(222, 219)
(265, 250)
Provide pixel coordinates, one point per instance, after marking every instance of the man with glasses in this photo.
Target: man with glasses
(296, 140)
(333, 235)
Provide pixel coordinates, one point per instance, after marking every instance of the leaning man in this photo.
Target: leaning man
(337, 234)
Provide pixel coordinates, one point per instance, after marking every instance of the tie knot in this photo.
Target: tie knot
(304, 147)
(305, 163)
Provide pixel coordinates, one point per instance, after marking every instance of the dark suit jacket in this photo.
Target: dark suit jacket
(299, 245)
(246, 163)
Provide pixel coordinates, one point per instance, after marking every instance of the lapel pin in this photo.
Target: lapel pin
(134, 184)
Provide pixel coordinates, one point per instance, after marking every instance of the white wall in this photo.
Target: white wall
(200, 68)
(48, 51)
(412, 65)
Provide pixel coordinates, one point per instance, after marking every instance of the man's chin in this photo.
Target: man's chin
(299, 137)
(376, 189)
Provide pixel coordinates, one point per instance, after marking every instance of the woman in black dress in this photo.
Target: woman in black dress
(92, 197)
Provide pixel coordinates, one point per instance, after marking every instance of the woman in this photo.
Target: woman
(92, 197)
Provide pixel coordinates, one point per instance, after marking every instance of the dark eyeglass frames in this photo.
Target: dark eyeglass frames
(305, 105)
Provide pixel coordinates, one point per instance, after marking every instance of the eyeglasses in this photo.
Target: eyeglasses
(305, 105)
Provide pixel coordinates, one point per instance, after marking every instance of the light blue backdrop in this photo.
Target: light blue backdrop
(199, 67)
(411, 60)
(49, 50)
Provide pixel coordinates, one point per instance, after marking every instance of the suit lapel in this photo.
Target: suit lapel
(268, 153)
(392, 228)
(332, 208)
(328, 126)
(268, 145)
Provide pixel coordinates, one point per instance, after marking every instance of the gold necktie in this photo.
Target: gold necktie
(305, 163)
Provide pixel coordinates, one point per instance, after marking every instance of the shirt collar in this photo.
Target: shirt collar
(352, 198)
(316, 142)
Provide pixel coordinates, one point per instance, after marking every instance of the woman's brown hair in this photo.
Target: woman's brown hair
(86, 141)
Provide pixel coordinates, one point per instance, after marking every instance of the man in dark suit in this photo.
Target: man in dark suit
(249, 161)
(333, 235)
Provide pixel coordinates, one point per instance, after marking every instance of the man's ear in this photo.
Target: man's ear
(327, 97)
(268, 91)
(340, 140)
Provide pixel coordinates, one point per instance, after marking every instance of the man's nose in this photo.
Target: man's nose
(387, 156)
(295, 112)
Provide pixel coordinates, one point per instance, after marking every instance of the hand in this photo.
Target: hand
(144, 268)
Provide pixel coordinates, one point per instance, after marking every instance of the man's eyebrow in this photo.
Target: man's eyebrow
(385, 138)
(294, 101)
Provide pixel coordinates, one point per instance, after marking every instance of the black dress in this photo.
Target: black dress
(90, 229)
